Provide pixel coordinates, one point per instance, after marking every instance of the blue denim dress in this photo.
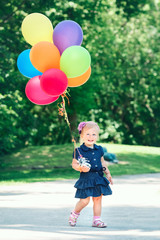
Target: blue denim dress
(92, 183)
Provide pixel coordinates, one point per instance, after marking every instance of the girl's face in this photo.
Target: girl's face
(89, 137)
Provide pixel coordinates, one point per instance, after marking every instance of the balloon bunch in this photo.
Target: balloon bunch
(56, 60)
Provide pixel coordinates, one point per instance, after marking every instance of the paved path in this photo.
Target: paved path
(39, 211)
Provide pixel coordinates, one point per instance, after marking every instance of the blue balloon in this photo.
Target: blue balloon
(25, 66)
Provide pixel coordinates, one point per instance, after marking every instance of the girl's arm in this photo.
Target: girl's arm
(107, 172)
(77, 167)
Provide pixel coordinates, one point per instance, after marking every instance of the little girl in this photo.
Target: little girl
(91, 182)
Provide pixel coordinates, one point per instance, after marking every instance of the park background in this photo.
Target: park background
(122, 94)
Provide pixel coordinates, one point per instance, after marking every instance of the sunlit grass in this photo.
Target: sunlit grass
(47, 163)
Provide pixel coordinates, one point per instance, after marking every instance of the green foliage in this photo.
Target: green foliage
(132, 8)
(11, 116)
(128, 101)
(123, 92)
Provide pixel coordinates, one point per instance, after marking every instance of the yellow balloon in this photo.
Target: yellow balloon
(36, 27)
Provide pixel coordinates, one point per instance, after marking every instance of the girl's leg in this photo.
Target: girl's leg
(97, 205)
(76, 212)
(81, 204)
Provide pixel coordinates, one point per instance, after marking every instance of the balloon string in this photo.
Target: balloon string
(63, 112)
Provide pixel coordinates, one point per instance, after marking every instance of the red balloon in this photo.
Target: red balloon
(54, 82)
(35, 93)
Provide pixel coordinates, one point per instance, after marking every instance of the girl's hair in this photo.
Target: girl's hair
(83, 126)
(90, 125)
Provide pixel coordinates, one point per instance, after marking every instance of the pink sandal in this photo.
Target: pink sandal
(73, 219)
(99, 224)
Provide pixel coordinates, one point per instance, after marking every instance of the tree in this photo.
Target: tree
(122, 94)
(132, 8)
(127, 102)
(22, 120)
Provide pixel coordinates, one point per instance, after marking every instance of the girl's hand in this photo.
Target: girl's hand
(84, 169)
(109, 177)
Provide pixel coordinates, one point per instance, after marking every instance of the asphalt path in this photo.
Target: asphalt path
(40, 211)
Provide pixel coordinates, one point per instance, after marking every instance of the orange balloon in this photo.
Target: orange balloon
(78, 81)
(45, 55)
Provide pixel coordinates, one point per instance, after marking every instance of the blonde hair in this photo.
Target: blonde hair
(89, 125)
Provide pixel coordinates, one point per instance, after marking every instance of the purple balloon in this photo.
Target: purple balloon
(66, 34)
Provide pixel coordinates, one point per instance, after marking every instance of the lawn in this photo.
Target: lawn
(47, 163)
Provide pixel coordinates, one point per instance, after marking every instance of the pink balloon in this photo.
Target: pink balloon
(54, 82)
(35, 93)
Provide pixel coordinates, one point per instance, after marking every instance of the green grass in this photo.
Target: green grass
(47, 163)
(135, 159)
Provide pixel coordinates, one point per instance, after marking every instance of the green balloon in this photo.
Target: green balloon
(75, 61)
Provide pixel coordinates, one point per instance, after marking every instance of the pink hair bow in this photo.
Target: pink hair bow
(81, 126)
